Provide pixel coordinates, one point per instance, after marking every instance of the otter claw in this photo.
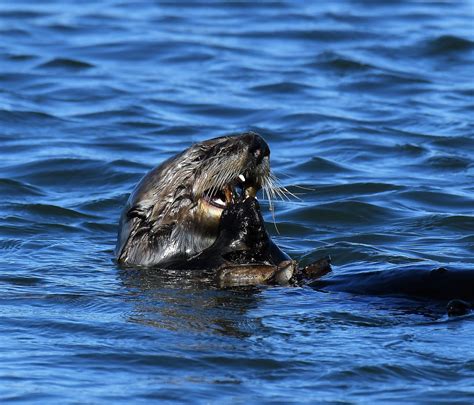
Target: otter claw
(250, 192)
(285, 272)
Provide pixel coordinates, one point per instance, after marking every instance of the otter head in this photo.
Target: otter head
(226, 169)
(175, 210)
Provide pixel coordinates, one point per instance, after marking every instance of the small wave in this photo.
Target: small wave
(15, 188)
(344, 213)
(383, 372)
(129, 145)
(357, 188)
(432, 200)
(14, 81)
(48, 211)
(335, 62)
(65, 64)
(458, 143)
(411, 149)
(308, 119)
(32, 117)
(221, 111)
(440, 223)
(189, 57)
(15, 33)
(125, 164)
(103, 204)
(385, 82)
(281, 87)
(116, 115)
(454, 222)
(70, 172)
(444, 162)
(22, 14)
(20, 57)
(16, 226)
(315, 35)
(356, 251)
(87, 300)
(321, 165)
(149, 50)
(10, 244)
(94, 227)
(448, 44)
(25, 281)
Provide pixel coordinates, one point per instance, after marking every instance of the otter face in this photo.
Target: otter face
(176, 209)
(234, 168)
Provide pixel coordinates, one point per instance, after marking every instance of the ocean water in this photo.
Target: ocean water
(368, 110)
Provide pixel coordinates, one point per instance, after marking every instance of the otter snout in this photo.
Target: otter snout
(258, 148)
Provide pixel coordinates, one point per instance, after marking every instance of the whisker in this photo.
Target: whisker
(282, 191)
(304, 188)
(267, 191)
(288, 176)
(276, 191)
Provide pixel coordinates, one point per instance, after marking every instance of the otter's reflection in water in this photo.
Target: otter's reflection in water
(189, 300)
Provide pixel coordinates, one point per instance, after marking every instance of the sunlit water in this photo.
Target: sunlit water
(367, 107)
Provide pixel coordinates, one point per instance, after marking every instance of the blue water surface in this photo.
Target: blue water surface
(368, 109)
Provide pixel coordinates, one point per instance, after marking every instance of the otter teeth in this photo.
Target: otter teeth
(242, 177)
(219, 201)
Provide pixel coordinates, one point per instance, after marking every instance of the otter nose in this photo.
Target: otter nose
(258, 148)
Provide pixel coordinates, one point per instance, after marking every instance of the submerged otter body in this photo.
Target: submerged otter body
(175, 214)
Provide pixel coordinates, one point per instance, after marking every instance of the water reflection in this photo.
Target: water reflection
(189, 300)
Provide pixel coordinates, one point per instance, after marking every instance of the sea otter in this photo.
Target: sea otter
(174, 212)
(198, 211)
